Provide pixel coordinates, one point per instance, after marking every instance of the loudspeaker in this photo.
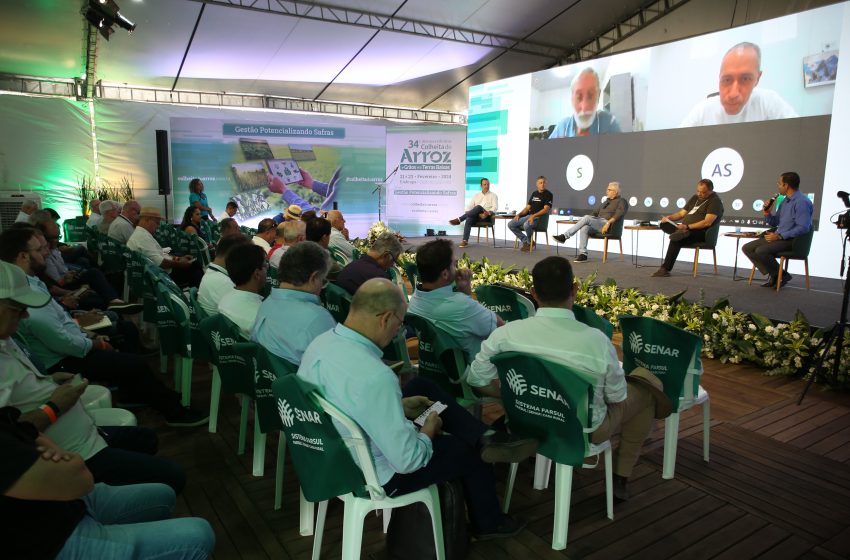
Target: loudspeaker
(163, 172)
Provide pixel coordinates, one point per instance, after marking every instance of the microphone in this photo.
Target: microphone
(770, 202)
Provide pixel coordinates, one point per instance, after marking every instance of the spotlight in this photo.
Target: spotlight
(103, 14)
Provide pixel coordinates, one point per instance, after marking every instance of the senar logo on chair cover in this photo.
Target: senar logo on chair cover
(516, 382)
(285, 412)
(635, 341)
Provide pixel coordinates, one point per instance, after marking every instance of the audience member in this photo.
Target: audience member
(555, 334)
(95, 218)
(191, 223)
(380, 257)
(308, 216)
(339, 235)
(27, 208)
(51, 507)
(289, 233)
(59, 344)
(109, 210)
(198, 199)
(345, 364)
(124, 225)
(455, 312)
(247, 267)
(612, 209)
(216, 281)
(266, 232)
(183, 269)
(228, 226)
(292, 316)
(231, 209)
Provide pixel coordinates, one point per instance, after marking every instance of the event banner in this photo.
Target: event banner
(265, 166)
(427, 185)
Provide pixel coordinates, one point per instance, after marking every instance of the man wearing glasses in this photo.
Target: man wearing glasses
(292, 316)
(612, 209)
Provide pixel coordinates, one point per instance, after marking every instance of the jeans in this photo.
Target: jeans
(133, 522)
(131, 459)
(586, 225)
(763, 254)
(521, 228)
(455, 456)
(470, 218)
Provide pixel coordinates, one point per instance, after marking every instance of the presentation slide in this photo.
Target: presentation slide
(738, 107)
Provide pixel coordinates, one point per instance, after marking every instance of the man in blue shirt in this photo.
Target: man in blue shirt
(345, 364)
(292, 316)
(586, 119)
(793, 219)
(445, 298)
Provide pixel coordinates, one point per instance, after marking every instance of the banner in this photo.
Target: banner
(427, 188)
(266, 166)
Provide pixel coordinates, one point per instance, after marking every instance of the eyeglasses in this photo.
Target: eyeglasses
(400, 319)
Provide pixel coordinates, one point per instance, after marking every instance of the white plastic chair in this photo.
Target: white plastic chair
(693, 394)
(356, 508)
(96, 396)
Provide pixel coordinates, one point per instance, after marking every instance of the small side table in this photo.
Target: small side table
(506, 218)
(738, 236)
(570, 222)
(636, 242)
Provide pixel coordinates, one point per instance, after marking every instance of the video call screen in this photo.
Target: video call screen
(738, 107)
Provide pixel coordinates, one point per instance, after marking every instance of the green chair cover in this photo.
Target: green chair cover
(672, 354)
(337, 301)
(441, 358)
(267, 369)
(74, 230)
(200, 350)
(506, 303)
(221, 335)
(320, 456)
(591, 319)
(411, 272)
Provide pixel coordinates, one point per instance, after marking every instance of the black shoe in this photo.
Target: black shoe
(771, 282)
(509, 527)
(560, 238)
(621, 488)
(581, 258)
(502, 447)
(186, 418)
(785, 279)
(661, 272)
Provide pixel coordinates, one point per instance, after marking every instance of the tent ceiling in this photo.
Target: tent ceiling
(255, 51)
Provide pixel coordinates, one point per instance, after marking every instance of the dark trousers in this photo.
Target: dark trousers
(763, 254)
(190, 276)
(129, 372)
(97, 282)
(455, 456)
(131, 459)
(696, 236)
(470, 218)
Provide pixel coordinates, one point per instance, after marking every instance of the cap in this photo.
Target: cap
(14, 286)
(293, 212)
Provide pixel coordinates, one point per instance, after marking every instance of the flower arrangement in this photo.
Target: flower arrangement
(790, 348)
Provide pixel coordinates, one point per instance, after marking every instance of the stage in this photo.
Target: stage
(820, 304)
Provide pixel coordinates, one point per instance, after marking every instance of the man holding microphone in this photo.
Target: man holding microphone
(794, 218)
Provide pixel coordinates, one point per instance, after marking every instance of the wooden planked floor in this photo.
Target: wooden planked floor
(777, 486)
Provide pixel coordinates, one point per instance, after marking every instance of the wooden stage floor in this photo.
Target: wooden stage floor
(777, 486)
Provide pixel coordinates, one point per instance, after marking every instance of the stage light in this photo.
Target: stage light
(103, 14)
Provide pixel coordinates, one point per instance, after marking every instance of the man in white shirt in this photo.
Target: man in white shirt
(109, 211)
(216, 282)
(738, 99)
(182, 268)
(292, 233)
(247, 268)
(27, 208)
(482, 207)
(266, 232)
(123, 226)
(339, 235)
(555, 334)
(95, 218)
